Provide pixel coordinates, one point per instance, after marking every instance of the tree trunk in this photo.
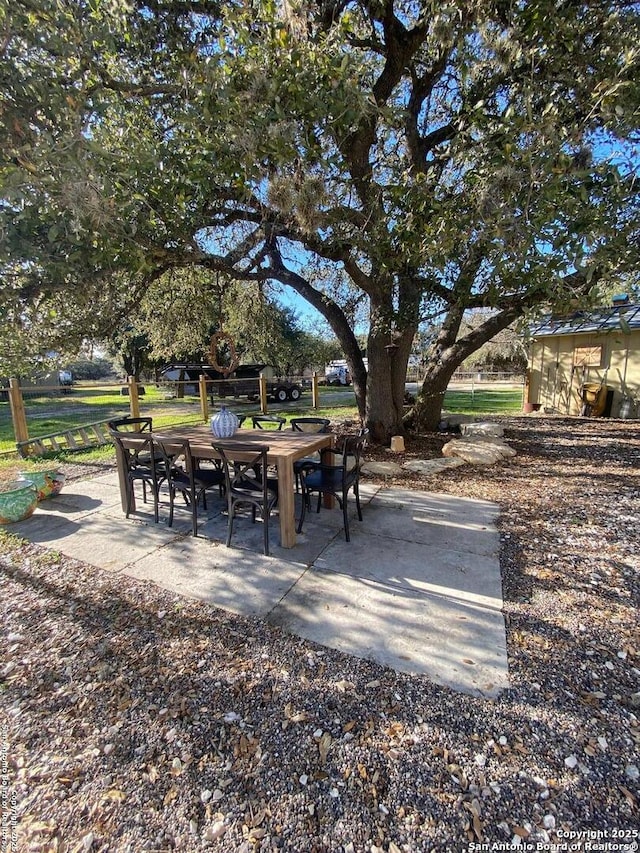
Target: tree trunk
(386, 380)
(357, 369)
(427, 411)
(447, 354)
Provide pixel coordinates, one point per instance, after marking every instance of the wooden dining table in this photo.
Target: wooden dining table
(285, 448)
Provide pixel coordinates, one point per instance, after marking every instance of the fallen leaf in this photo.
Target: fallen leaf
(324, 746)
(300, 717)
(630, 797)
(295, 716)
(256, 835)
(170, 796)
(258, 818)
(115, 796)
(478, 826)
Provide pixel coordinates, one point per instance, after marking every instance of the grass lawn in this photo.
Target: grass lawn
(485, 402)
(51, 413)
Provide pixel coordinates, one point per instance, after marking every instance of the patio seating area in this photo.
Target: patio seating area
(417, 588)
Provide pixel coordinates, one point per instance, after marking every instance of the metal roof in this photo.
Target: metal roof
(599, 320)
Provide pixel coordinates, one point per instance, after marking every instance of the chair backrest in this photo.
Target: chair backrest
(128, 424)
(311, 425)
(264, 421)
(167, 450)
(247, 472)
(132, 445)
(352, 446)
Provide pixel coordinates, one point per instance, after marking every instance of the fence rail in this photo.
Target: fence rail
(61, 415)
(488, 376)
(416, 374)
(64, 417)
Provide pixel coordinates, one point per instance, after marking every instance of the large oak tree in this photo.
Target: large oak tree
(421, 158)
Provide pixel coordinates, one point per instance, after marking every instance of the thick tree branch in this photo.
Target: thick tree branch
(329, 309)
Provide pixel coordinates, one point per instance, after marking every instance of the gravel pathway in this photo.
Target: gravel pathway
(135, 720)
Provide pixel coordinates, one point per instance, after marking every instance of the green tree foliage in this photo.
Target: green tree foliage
(506, 351)
(180, 311)
(89, 368)
(183, 309)
(405, 160)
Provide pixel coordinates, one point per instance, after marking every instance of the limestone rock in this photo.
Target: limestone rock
(386, 469)
(478, 450)
(496, 444)
(471, 453)
(485, 428)
(489, 442)
(432, 466)
(449, 421)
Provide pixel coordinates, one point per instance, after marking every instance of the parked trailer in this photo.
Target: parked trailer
(243, 382)
(278, 390)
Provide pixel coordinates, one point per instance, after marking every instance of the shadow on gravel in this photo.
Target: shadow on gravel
(141, 698)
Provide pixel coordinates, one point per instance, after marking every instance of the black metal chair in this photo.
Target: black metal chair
(140, 466)
(308, 425)
(245, 484)
(128, 424)
(313, 425)
(337, 480)
(268, 422)
(192, 482)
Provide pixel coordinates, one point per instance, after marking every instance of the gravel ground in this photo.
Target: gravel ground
(135, 720)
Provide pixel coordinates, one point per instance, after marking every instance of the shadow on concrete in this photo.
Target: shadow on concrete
(417, 589)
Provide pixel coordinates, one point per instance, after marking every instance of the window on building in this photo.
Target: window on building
(588, 356)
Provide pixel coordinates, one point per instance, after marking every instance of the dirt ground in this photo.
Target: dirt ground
(132, 719)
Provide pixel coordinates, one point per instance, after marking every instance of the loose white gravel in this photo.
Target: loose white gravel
(132, 719)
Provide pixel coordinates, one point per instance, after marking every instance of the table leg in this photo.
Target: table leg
(286, 503)
(123, 481)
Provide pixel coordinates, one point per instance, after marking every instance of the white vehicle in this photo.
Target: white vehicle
(337, 373)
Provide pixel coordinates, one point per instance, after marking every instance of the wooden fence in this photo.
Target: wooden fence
(96, 433)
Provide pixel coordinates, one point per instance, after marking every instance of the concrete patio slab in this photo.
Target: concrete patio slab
(97, 540)
(454, 642)
(424, 527)
(418, 588)
(446, 508)
(463, 575)
(246, 583)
